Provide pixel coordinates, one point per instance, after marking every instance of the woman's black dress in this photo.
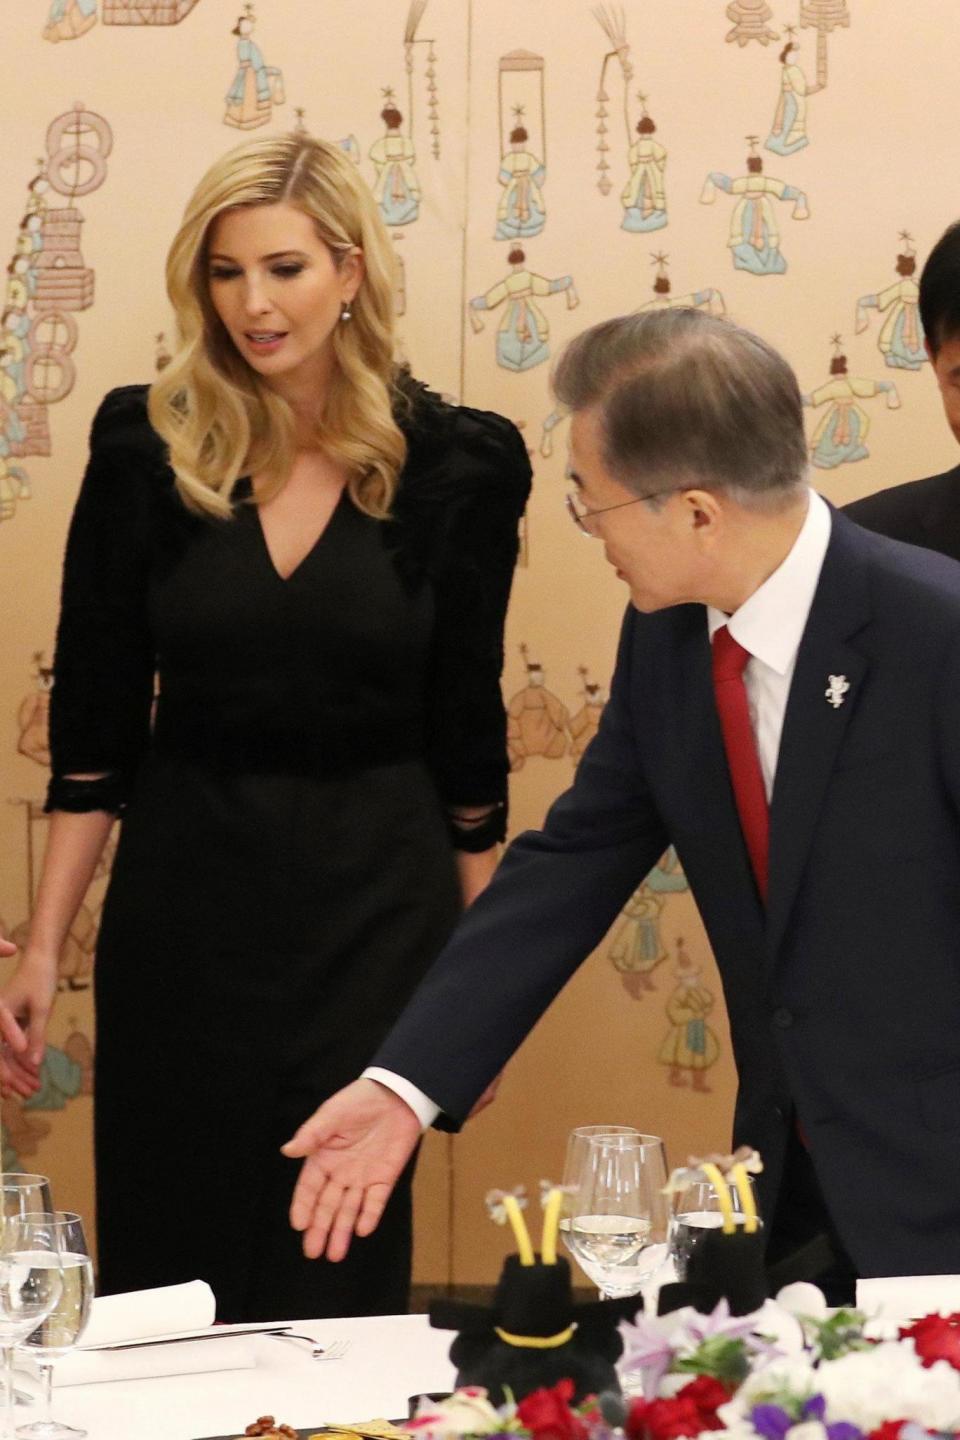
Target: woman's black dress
(285, 872)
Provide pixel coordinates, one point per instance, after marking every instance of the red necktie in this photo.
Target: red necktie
(729, 662)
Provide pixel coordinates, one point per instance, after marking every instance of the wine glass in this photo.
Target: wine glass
(62, 1328)
(577, 1144)
(695, 1210)
(617, 1212)
(22, 1191)
(31, 1279)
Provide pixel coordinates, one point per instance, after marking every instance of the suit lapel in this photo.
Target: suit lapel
(813, 728)
(711, 823)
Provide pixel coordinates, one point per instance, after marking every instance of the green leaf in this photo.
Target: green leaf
(720, 1356)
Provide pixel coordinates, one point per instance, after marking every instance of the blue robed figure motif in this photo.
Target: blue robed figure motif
(521, 211)
(754, 239)
(257, 86)
(840, 437)
(522, 339)
(15, 351)
(69, 19)
(788, 133)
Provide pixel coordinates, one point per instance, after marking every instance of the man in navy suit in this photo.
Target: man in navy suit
(786, 711)
(927, 512)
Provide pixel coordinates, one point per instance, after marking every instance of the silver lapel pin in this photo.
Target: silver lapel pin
(835, 691)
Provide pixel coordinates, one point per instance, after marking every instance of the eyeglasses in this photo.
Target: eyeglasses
(580, 516)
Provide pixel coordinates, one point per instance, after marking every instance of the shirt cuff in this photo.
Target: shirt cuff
(421, 1105)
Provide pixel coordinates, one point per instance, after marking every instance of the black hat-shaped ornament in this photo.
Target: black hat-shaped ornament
(728, 1262)
(535, 1334)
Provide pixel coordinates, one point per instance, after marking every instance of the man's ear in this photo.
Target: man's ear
(704, 510)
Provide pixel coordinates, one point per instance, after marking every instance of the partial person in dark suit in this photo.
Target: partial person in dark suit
(927, 512)
(785, 711)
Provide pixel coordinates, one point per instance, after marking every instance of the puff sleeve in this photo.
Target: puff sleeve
(104, 661)
(484, 489)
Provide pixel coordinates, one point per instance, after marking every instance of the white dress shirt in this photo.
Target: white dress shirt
(770, 624)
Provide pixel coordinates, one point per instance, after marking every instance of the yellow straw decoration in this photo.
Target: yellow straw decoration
(519, 1228)
(747, 1202)
(551, 1224)
(713, 1174)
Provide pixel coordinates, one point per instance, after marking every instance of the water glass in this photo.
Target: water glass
(615, 1212)
(695, 1210)
(62, 1328)
(31, 1280)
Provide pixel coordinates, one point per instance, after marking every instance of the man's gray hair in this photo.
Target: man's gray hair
(687, 399)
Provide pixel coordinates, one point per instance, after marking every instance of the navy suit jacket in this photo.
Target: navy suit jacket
(844, 993)
(922, 512)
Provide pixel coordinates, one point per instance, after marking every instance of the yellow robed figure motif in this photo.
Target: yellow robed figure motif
(690, 1047)
(521, 211)
(644, 197)
(396, 188)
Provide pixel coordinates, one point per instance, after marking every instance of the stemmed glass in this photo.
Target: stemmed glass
(20, 1192)
(615, 1211)
(31, 1279)
(695, 1210)
(62, 1328)
(578, 1142)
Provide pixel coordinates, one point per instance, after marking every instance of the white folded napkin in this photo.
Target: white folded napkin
(164, 1314)
(900, 1298)
(116, 1318)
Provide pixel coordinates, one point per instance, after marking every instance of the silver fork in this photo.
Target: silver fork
(334, 1351)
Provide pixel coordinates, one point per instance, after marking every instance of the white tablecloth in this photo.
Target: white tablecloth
(390, 1357)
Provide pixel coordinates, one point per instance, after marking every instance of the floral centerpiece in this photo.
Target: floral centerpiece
(791, 1371)
(724, 1359)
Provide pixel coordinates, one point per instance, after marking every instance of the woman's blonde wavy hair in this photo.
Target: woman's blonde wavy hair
(213, 410)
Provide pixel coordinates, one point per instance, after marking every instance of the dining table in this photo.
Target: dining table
(383, 1360)
(382, 1363)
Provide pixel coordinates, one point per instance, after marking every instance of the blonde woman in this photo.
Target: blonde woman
(314, 554)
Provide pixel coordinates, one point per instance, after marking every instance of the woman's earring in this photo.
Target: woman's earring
(345, 312)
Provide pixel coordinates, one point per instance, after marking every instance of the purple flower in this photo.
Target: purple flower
(770, 1421)
(720, 1322)
(648, 1352)
(815, 1408)
(843, 1430)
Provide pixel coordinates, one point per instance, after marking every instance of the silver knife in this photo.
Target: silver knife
(222, 1333)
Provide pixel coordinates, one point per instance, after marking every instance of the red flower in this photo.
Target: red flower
(669, 1419)
(547, 1414)
(692, 1410)
(635, 1423)
(935, 1337)
(889, 1430)
(708, 1394)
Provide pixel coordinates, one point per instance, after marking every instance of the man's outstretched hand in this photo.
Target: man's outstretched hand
(355, 1147)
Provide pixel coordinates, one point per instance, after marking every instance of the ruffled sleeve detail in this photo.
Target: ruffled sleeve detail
(105, 661)
(461, 498)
